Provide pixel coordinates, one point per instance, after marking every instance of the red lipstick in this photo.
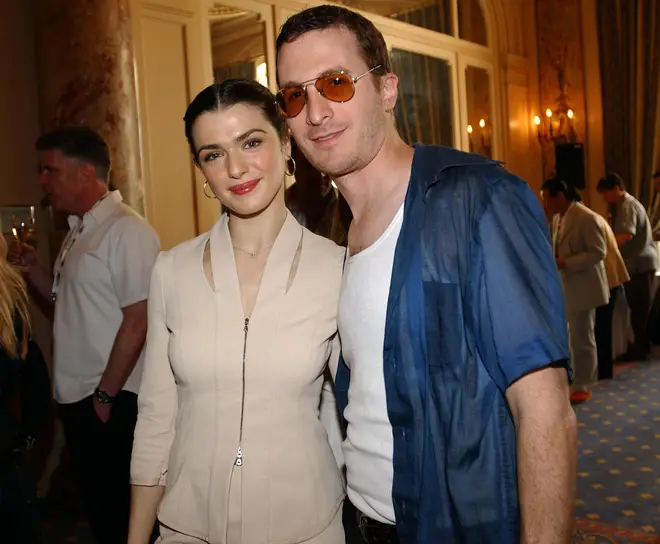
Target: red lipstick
(244, 188)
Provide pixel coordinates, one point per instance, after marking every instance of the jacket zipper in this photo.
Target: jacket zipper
(239, 453)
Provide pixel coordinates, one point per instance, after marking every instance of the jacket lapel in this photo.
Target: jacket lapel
(276, 273)
(555, 233)
(569, 222)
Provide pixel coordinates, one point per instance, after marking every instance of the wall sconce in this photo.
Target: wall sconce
(485, 137)
(484, 142)
(557, 127)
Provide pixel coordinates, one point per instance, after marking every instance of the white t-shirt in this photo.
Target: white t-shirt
(107, 268)
(368, 448)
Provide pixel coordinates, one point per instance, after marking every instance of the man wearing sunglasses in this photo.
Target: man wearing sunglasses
(453, 380)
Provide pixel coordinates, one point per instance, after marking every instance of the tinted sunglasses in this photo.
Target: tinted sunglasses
(335, 86)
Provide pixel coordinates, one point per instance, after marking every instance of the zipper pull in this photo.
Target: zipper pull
(247, 322)
(239, 457)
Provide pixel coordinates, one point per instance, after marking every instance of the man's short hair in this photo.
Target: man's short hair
(610, 181)
(81, 143)
(555, 186)
(373, 48)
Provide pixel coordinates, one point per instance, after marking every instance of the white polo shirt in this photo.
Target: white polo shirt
(107, 268)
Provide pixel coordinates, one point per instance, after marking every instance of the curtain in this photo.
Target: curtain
(629, 43)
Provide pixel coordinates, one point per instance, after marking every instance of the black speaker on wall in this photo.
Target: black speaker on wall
(569, 161)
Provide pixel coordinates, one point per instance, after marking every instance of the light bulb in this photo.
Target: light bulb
(570, 114)
(537, 120)
(469, 129)
(548, 112)
(482, 123)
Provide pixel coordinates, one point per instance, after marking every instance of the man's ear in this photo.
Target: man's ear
(86, 172)
(389, 90)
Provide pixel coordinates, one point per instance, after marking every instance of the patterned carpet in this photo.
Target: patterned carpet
(618, 466)
(619, 458)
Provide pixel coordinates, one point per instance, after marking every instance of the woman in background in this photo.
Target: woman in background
(315, 203)
(19, 520)
(229, 447)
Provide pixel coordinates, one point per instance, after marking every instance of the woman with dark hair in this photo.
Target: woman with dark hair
(229, 446)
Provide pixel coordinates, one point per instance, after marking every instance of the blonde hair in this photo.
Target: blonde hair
(13, 303)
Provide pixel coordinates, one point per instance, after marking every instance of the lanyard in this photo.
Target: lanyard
(66, 247)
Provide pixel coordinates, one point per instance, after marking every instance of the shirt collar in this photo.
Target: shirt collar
(100, 211)
(430, 161)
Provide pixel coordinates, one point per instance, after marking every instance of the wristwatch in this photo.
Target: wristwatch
(103, 397)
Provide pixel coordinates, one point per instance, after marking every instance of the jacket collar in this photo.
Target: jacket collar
(429, 162)
(568, 220)
(275, 277)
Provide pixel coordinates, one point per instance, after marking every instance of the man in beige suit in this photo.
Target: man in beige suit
(580, 248)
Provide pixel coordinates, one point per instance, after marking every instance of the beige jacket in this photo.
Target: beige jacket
(197, 383)
(615, 267)
(581, 243)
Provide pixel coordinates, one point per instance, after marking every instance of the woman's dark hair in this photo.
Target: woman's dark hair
(610, 181)
(229, 93)
(556, 186)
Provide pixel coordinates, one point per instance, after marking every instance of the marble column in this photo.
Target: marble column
(86, 77)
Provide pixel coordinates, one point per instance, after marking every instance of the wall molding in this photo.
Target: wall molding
(168, 9)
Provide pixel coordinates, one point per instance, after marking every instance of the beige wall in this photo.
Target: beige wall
(172, 43)
(19, 126)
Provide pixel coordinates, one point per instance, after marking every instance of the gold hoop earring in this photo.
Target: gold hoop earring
(290, 171)
(206, 184)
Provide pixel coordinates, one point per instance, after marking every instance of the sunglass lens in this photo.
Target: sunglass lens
(291, 101)
(336, 87)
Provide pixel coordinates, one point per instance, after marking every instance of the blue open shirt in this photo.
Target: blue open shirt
(475, 303)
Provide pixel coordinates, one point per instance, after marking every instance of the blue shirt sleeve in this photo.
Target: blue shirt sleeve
(522, 316)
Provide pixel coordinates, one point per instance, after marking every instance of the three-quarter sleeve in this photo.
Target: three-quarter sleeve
(157, 400)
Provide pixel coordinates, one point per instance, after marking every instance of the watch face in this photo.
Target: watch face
(102, 397)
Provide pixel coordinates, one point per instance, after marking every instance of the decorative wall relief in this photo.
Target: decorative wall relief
(561, 74)
(86, 76)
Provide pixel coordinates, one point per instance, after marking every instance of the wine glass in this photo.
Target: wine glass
(23, 227)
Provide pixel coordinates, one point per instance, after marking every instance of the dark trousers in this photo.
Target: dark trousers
(371, 532)
(603, 332)
(638, 295)
(101, 457)
(20, 522)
